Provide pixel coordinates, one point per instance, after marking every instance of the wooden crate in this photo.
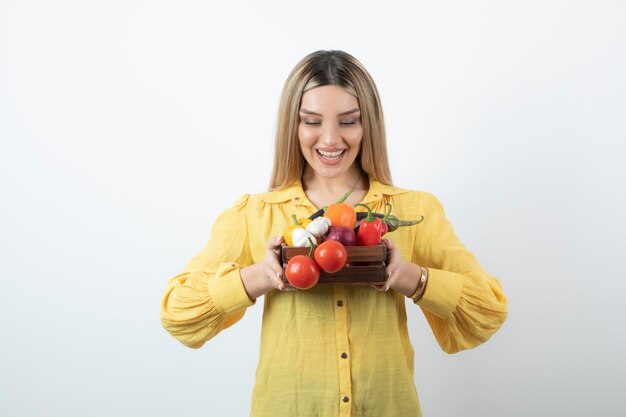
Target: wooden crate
(366, 265)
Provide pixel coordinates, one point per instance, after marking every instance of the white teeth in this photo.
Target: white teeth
(330, 155)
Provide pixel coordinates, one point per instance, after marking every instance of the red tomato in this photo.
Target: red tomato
(331, 256)
(302, 272)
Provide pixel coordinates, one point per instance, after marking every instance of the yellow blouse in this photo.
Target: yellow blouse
(334, 350)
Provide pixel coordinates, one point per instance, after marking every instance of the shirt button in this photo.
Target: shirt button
(297, 198)
(346, 399)
(344, 355)
(375, 195)
(339, 303)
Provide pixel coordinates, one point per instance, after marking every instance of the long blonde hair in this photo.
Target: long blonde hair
(329, 68)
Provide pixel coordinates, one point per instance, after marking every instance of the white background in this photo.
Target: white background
(127, 126)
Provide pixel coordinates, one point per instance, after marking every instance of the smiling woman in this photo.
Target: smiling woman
(330, 141)
(333, 350)
(330, 138)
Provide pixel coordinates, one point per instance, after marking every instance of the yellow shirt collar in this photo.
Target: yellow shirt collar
(296, 194)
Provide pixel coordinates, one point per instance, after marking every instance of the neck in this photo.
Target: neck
(335, 185)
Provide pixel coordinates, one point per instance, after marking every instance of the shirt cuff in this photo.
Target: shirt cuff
(227, 290)
(443, 291)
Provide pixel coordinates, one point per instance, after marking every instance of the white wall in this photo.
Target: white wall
(127, 126)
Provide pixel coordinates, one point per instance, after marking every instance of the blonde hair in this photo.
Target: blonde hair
(329, 68)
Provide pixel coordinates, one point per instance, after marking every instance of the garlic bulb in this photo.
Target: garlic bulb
(301, 237)
(319, 227)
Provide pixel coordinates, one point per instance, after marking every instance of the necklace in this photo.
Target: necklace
(353, 188)
(320, 201)
(357, 181)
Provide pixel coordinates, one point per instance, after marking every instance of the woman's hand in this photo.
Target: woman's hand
(266, 275)
(402, 276)
(272, 269)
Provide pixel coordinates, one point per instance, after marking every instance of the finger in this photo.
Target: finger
(276, 276)
(282, 285)
(273, 250)
(274, 243)
(383, 286)
(391, 278)
(390, 245)
(379, 288)
(286, 285)
(289, 287)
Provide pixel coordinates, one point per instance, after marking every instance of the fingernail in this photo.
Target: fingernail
(386, 287)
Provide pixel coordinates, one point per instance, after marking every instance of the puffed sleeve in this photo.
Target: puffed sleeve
(463, 304)
(208, 296)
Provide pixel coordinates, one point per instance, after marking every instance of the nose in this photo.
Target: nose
(331, 135)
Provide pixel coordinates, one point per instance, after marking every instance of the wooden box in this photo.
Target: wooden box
(366, 265)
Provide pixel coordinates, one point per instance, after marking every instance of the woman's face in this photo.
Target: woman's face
(330, 130)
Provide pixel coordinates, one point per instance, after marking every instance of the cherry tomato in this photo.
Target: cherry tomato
(331, 256)
(302, 272)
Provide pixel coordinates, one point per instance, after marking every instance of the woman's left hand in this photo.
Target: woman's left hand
(402, 276)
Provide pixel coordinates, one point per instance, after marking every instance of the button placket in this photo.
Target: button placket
(342, 345)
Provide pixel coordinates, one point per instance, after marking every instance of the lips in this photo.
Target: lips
(330, 157)
(331, 154)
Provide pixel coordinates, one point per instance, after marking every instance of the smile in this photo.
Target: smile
(330, 155)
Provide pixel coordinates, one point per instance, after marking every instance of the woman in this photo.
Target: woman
(333, 350)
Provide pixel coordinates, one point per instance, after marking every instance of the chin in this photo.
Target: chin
(330, 172)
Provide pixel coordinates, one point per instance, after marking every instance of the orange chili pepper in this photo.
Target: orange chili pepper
(341, 214)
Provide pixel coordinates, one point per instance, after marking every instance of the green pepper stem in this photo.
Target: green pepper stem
(311, 248)
(402, 223)
(370, 216)
(295, 221)
(393, 223)
(384, 219)
(410, 222)
(345, 196)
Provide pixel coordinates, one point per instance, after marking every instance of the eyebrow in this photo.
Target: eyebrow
(355, 110)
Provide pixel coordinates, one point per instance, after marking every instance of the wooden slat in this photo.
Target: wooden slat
(373, 256)
(377, 253)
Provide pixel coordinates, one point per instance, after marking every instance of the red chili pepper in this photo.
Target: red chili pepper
(385, 228)
(370, 229)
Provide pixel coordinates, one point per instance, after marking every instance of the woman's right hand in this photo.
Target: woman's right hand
(272, 269)
(266, 275)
